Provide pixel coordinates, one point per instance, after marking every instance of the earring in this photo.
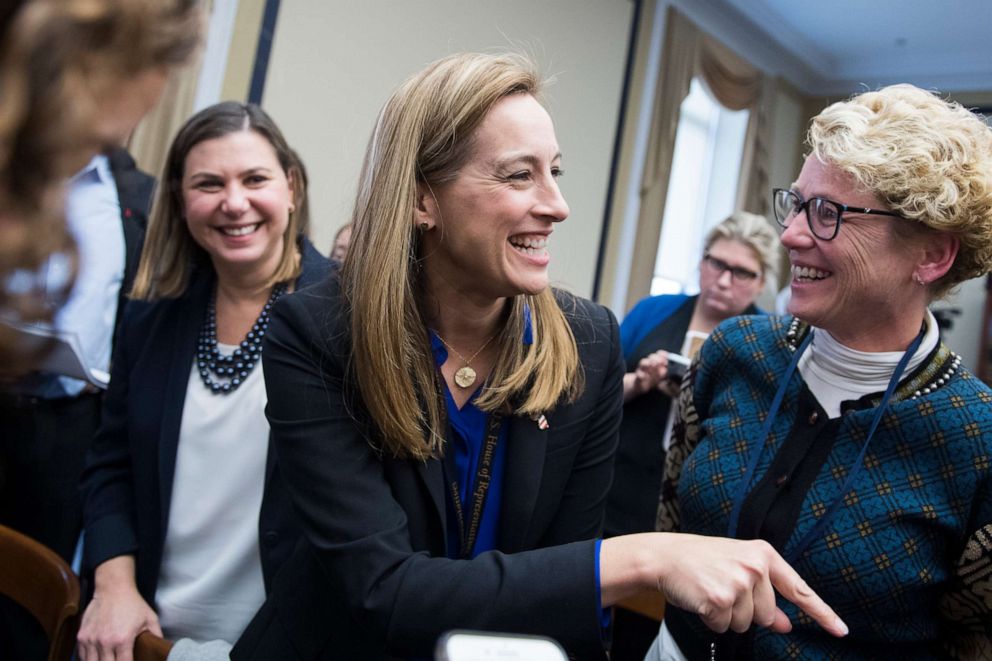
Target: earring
(424, 226)
(919, 280)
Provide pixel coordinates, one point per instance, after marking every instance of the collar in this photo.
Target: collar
(96, 171)
(939, 366)
(844, 367)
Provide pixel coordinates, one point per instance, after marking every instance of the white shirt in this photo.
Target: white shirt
(211, 584)
(93, 216)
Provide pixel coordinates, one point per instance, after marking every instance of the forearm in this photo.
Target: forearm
(115, 575)
(107, 482)
(631, 387)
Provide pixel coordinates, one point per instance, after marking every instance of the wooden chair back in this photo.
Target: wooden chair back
(40, 581)
(149, 647)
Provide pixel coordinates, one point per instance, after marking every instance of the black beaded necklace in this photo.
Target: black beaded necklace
(233, 369)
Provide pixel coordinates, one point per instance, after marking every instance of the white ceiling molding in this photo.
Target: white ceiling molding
(840, 46)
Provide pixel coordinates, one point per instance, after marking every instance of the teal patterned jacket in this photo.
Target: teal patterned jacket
(906, 560)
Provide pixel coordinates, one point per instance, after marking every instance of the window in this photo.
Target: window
(702, 190)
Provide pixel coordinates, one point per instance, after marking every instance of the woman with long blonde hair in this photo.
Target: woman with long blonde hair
(446, 421)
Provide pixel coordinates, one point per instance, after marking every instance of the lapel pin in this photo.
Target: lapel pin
(542, 423)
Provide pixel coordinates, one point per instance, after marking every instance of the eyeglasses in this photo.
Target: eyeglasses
(737, 273)
(822, 215)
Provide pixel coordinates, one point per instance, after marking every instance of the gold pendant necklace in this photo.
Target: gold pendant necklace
(465, 376)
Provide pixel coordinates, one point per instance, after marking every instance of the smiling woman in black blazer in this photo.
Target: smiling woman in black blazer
(446, 422)
(186, 516)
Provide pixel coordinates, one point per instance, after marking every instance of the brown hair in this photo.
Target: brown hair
(58, 58)
(170, 252)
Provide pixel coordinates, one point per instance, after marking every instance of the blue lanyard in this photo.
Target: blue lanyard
(742, 491)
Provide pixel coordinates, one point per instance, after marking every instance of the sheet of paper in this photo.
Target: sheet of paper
(65, 355)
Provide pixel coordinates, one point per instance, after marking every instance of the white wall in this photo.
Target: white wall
(335, 62)
(964, 337)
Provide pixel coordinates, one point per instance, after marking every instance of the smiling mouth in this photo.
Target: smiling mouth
(529, 246)
(808, 274)
(240, 231)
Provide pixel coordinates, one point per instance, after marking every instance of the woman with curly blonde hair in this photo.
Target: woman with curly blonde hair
(847, 435)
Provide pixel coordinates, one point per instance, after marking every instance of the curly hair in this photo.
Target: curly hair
(929, 159)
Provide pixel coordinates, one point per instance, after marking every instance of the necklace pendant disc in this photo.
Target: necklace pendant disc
(465, 377)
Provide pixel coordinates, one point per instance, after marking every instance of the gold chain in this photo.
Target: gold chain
(465, 376)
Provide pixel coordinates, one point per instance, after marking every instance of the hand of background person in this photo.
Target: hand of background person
(729, 583)
(670, 386)
(116, 615)
(651, 373)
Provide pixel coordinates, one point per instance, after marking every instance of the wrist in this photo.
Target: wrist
(632, 386)
(655, 562)
(630, 564)
(115, 576)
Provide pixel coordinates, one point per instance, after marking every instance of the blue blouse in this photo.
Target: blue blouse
(468, 435)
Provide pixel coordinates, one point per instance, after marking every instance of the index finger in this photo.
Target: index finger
(791, 586)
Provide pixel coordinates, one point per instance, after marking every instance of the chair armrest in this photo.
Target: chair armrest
(149, 647)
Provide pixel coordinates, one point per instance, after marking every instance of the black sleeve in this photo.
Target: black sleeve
(108, 491)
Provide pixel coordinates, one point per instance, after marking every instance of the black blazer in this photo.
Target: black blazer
(372, 579)
(127, 483)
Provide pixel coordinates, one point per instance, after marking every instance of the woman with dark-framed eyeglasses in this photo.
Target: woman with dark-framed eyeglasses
(738, 254)
(847, 435)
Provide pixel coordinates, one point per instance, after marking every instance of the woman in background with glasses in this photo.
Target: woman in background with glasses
(847, 435)
(738, 255)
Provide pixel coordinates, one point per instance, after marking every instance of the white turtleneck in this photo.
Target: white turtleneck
(835, 373)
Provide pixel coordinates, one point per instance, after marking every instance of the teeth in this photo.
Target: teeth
(240, 231)
(808, 273)
(529, 245)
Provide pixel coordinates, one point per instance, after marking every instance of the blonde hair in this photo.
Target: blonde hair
(58, 59)
(753, 231)
(424, 134)
(929, 159)
(170, 252)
